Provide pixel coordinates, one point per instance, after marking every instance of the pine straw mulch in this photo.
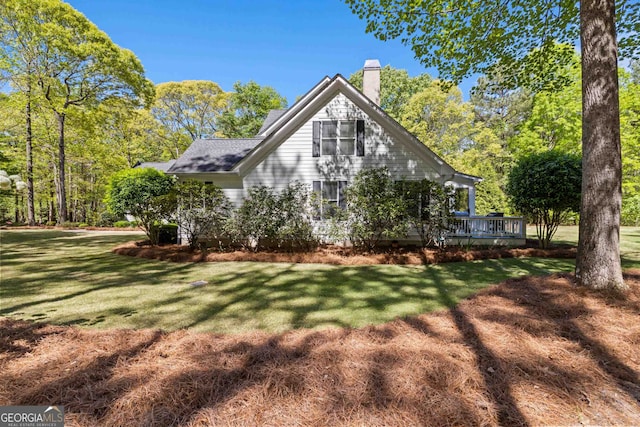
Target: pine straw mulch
(536, 351)
(338, 255)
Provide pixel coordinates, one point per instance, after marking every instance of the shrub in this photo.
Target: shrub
(546, 187)
(142, 192)
(428, 209)
(374, 209)
(296, 230)
(69, 224)
(123, 224)
(267, 219)
(83, 225)
(202, 211)
(106, 219)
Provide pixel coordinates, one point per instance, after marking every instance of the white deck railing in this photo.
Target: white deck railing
(488, 227)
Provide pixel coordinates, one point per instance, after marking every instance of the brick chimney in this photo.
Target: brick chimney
(371, 80)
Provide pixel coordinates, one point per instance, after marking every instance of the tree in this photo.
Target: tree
(630, 141)
(438, 116)
(139, 192)
(500, 107)
(72, 64)
(521, 41)
(188, 110)
(396, 87)
(545, 187)
(249, 105)
(21, 52)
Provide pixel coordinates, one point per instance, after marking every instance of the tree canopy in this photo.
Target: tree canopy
(187, 111)
(531, 42)
(396, 87)
(248, 107)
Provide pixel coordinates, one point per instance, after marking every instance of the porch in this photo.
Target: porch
(488, 230)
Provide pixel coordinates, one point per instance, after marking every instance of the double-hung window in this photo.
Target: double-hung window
(330, 195)
(338, 137)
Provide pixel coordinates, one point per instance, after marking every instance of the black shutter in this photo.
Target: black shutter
(316, 140)
(360, 137)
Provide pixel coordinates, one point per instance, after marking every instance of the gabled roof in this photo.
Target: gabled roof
(239, 156)
(277, 131)
(213, 155)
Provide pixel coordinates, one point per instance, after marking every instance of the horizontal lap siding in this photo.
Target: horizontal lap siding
(293, 159)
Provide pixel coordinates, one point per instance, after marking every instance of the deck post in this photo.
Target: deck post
(472, 201)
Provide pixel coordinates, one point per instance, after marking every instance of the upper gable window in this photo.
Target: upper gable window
(338, 137)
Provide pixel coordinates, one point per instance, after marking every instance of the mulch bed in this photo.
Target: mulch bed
(343, 256)
(530, 351)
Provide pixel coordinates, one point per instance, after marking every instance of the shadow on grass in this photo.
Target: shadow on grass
(72, 278)
(541, 337)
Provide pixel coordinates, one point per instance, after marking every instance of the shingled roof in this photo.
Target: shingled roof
(271, 118)
(213, 155)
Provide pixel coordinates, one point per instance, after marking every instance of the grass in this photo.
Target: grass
(73, 278)
(629, 242)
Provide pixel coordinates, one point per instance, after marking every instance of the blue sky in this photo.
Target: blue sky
(289, 45)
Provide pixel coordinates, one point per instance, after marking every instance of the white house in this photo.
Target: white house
(324, 139)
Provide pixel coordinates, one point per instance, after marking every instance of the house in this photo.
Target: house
(324, 139)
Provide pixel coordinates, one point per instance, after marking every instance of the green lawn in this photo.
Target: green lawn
(73, 278)
(629, 242)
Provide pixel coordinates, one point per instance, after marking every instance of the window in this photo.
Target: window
(330, 196)
(338, 137)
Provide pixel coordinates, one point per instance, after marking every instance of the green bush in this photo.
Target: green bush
(375, 210)
(268, 219)
(106, 219)
(202, 211)
(69, 224)
(546, 187)
(141, 192)
(83, 225)
(123, 224)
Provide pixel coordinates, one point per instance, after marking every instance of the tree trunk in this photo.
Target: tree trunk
(61, 188)
(31, 216)
(598, 259)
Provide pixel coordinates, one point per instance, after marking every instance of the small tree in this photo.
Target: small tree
(202, 211)
(545, 187)
(137, 192)
(429, 209)
(374, 209)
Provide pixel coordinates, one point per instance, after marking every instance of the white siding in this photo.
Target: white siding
(231, 184)
(292, 160)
